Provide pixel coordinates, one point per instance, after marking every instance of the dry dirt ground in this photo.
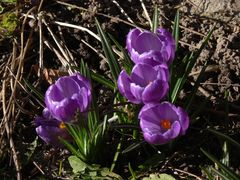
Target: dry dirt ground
(197, 17)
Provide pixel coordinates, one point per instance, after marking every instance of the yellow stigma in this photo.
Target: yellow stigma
(165, 123)
(149, 82)
(62, 125)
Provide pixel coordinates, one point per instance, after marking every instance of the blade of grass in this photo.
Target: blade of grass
(194, 91)
(155, 20)
(175, 32)
(189, 65)
(34, 90)
(227, 170)
(227, 138)
(112, 60)
(102, 80)
(132, 172)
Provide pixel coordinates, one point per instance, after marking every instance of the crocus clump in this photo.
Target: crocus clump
(67, 95)
(148, 47)
(162, 122)
(50, 129)
(145, 84)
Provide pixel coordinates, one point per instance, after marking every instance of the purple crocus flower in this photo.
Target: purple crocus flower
(145, 84)
(162, 122)
(148, 47)
(67, 95)
(50, 129)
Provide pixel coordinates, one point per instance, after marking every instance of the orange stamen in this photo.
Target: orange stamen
(165, 123)
(62, 125)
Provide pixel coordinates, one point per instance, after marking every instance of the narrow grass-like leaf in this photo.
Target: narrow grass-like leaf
(155, 20)
(127, 62)
(72, 149)
(227, 170)
(34, 90)
(196, 86)
(219, 173)
(116, 155)
(176, 79)
(112, 60)
(209, 175)
(175, 32)
(102, 80)
(190, 61)
(132, 172)
(225, 137)
(132, 147)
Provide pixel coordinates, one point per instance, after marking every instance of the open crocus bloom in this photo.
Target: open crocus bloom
(148, 47)
(145, 84)
(67, 95)
(50, 129)
(162, 122)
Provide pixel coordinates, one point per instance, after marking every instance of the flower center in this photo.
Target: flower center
(165, 123)
(62, 125)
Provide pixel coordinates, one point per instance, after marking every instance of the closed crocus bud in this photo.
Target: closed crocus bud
(148, 47)
(162, 122)
(50, 129)
(145, 84)
(67, 96)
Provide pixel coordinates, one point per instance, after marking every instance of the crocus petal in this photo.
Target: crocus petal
(155, 91)
(153, 115)
(174, 131)
(136, 91)
(65, 110)
(142, 44)
(124, 82)
(183, 119)
(66, 96)
(147, 41)
(49, 130)
(151, 57)
(169, 41)
(143, 74)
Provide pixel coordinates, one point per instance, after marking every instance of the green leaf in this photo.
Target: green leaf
(227, 170)
(112, 60)
(132, 172)
(155, 20)
(196, 86)
(34, 90)
(159, 177)
(77, 164)
(226, 137)
(132, 147)
(102, 80)
(176, 29)
(189, 61)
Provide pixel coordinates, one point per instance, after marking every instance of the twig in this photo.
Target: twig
(185, 172)
(146, 13)
(122, 11)
(115, 19)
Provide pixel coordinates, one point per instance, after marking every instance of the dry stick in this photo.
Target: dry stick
(78, 27)
(185, 172)
(38, 167)
(101, 14)
(40, 44)
(146, 13)
(60, 57)
(68, 59)
(95, 50)
(6, 117)
(122, 11)
(10, 107)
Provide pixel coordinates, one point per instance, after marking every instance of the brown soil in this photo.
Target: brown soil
(221, 80)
